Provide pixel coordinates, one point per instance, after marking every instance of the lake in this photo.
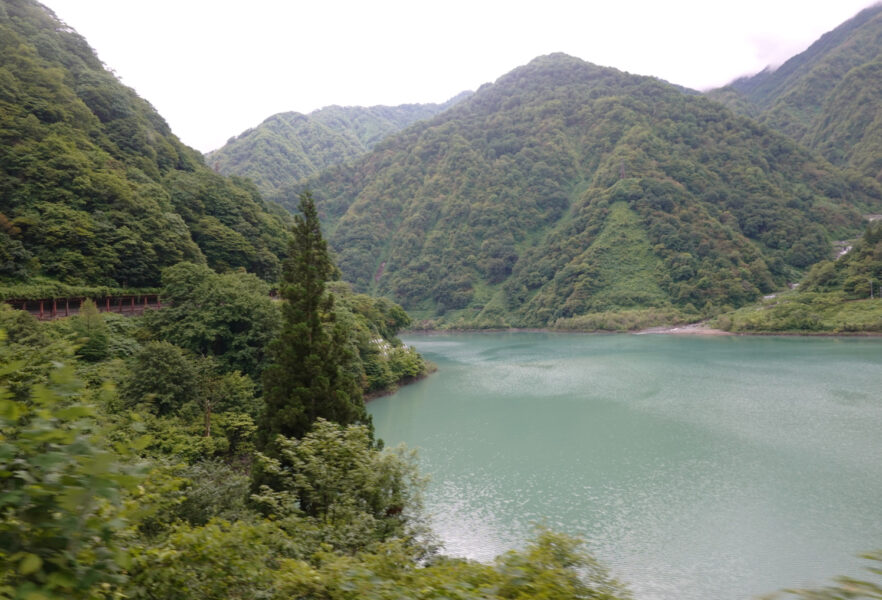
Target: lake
(696, 467)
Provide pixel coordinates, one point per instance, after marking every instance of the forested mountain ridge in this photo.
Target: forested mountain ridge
(288, 147)
(565, 189)
(826, 97)
(94, 187)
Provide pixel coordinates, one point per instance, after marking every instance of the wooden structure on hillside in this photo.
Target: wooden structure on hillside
(48, 309)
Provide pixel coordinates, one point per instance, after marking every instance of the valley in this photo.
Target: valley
(188, 341)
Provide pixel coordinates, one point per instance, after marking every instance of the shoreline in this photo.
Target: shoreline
(692, 329)
(368, 396)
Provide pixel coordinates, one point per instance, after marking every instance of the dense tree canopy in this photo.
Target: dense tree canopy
(838, 296)
(519, 205)
(94, 187)
(128, 462)
(229, 316)
(289, 147)
(826, 97)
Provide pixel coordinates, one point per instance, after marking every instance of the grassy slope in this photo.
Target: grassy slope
(806, 313)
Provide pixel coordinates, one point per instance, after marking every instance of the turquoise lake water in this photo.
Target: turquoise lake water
(696, 467)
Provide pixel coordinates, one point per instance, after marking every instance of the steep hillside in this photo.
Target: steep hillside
(565, 189)
(94, 187)
(836, 296)
(826, 97)
(288, 147)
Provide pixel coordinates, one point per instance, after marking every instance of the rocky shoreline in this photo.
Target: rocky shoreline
(691, 329)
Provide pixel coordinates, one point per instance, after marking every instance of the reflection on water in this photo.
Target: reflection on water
(696, 467)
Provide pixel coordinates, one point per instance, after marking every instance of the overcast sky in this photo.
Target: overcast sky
(214, 68)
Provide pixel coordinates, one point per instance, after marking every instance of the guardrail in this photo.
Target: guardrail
(48, 309)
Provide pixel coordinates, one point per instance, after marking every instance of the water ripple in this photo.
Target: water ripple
(696, 468)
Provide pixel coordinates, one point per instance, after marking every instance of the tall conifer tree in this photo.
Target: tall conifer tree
(311, 374)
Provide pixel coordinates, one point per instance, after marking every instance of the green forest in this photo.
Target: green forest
(516, 206)
(220, 447)
(151, 457)
(95, 190)
(825, 98)
(486, 215)
(287, 148)
(836, 296)
(226, 453)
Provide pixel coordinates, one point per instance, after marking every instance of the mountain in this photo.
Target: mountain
(94, 187)
(827, 97)
(288, 147)
(565, 189)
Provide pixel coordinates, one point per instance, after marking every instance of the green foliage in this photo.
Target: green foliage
(553, 567)
(230, 392)
(849, 130)
(192, 409)
(223, 560)
(32, 351)
(826, 97)
(806, 312)
(856, 272)
(846, 588)
(372, 324)
(41, 289)
(60, 496)
(230, 316)
(229, 221)
(381, 316)
(161, 377)
(93, 333)
(15, 260)
(181, 436)
(214, 490)
(565, 189)
(91, 177)
(626, 320)
(219, 560)
(618, 270)
(121, 342)
(834, 297)
(288, 147)
(313, 370)
(335, 476)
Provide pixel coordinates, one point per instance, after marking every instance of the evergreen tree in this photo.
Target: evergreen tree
(92, 332)
(312, 372)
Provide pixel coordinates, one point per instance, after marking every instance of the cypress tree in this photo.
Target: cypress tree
(311, 372)
(89, 325)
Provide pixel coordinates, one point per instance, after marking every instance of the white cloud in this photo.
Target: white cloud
(215, 68)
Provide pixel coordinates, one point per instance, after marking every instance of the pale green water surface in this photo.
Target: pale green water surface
(697, 467)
